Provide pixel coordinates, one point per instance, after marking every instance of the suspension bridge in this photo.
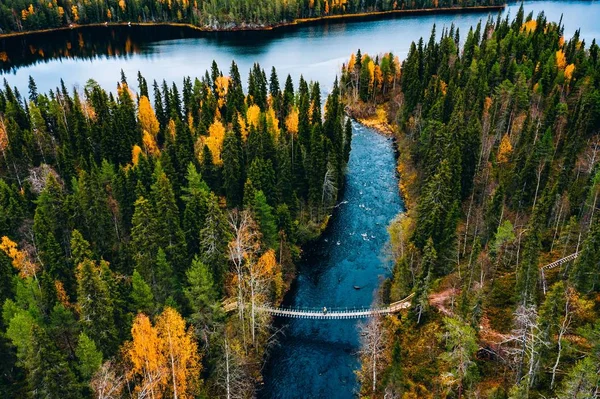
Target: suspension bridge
(338, 314)
(553, 265)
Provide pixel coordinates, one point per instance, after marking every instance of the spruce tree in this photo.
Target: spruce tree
(142, 299)
(263, 213)
(96, 304)
(49, 373)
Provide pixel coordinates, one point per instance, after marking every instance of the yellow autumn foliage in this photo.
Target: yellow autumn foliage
(144, 356)
(569, 71)
(180, 350)
(150, 146)
(291, 122)
(135, 154)
(505, 149)
(172, 129)
(214, 141)
(147, 117)
(75, 13)
(352, 63)
(222, 86)
(561, 60)
(243, 127)
(3, 136)
(253, 115)
(273, 123)
(20, 260)
(529, 26)
(371, 67)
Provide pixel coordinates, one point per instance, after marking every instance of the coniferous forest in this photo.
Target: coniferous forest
(498, 165)
(27, 15)
(138, 241)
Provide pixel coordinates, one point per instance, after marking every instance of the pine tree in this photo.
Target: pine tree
(49, 373)
(96, 304)
(586, 271)
(167, 228)
(528, 271)
(144, 238)
(164, 280)
(88, 356)
(142, 300)
(233, 176)
(49, 228)
(263, 213)
(202, 298)
(214, 237)
(420, 303)
(195, 198)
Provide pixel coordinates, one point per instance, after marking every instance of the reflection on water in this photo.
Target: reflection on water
(316, 51)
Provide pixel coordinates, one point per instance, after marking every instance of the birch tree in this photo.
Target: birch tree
(373, 340)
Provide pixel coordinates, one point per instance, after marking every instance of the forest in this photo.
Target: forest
(498, 160)
(140, 238)
(27, 15)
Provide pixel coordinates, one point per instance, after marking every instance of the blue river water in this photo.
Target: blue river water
(317, 358)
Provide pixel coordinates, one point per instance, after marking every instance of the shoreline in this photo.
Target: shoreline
(257, 28)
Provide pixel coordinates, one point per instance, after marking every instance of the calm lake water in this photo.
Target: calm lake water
(315, 359)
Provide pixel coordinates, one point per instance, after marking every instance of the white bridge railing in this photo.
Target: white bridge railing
(553, 265)
(337, 314)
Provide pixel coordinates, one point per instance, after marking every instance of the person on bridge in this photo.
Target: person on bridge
(324, 310)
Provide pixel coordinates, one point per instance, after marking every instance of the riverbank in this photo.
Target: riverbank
(251, 27)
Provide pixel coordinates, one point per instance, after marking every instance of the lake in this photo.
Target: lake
(315, 51)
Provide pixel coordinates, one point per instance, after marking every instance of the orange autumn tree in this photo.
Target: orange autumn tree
(181, 354)
(505, 149)
(162, 360)
(145, 360)
(147, 117)
(561, 60)
(291, 122)
(135, 154)
(214, 141)
(20, 260)
(253, 115)
(272, 123)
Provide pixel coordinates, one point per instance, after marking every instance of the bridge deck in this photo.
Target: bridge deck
(560, 261)
(338, 314)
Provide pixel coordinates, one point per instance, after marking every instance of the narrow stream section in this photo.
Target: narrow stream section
(315, 358)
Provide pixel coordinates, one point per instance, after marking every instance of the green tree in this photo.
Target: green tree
(96, 304)
(461, 344)
(202, 298)
(233, 176)
(420, 303)
(49, 375)
(582, 382)
(263, 213)
(586, 271)
(88, 356)
(142, 299)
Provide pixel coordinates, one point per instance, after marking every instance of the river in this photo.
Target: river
(314, 359)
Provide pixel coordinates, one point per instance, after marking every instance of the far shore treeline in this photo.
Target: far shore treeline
(37, 15)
